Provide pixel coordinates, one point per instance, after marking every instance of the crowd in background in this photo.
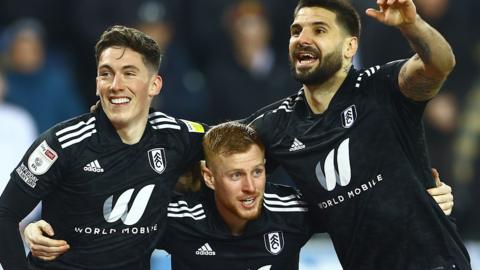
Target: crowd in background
(223, 59)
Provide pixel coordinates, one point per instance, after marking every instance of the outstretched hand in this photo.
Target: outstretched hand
(396, 13)
(41, 245)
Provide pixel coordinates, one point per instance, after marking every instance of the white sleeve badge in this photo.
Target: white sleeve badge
(41, 159)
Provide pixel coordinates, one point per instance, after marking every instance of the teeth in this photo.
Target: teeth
(303, 61)
(307, 56)
(119, 100)
(248, 201)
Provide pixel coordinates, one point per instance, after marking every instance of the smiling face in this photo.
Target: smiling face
(239, 183)
(125, 85)
(318, 45)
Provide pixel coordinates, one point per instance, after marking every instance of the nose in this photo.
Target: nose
(248, 185)
(117, 83)
(304, 38)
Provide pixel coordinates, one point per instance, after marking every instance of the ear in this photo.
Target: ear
(97, 92)
(350, 47)
(155, 86)
(207, 175)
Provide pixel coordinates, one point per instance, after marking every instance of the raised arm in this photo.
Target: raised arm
(423, 74)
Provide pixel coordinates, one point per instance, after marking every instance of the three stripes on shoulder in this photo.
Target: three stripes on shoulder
(272, 202)
(78, 132)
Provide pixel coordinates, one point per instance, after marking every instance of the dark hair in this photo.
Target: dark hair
(122, 36)
(230, 138)
(347, 16)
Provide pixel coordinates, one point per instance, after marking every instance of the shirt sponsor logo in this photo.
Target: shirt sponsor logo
(205, 250)
(274, 242)
(120, 210)
(349, 115)
(157, 159)
(108, 231)
(329, 177)
(41, 159)
(26, 175)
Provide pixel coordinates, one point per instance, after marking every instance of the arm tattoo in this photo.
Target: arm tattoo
(422, 49)
(417, 85)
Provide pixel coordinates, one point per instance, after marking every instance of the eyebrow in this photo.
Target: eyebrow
(315, 23)
(107, 66)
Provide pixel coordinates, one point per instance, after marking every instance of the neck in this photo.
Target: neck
(319, 95)
(236, 229)
(235, 225)
(131, 133)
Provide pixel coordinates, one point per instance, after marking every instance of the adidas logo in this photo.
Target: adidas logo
(93, 166)
(296, 145)
(205, 250)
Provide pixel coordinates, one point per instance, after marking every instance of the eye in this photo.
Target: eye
(294, 32)
(130, 73)
(320, 30)
(258, 172)
(236, 176)
(104, 74)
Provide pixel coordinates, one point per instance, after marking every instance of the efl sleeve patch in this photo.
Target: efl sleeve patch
(194, 126)
(41, 159)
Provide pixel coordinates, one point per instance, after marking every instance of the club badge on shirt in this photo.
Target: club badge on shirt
(157, 159)
(349, 115)
(41, 159)
(274, 242)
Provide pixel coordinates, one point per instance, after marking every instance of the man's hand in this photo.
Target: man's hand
(396, 13)
(44, 247)
(442, 194)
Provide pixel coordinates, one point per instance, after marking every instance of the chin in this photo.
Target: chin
(251, 214)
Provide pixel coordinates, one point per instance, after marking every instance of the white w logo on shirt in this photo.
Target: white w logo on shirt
(120, 210)
(328, 177)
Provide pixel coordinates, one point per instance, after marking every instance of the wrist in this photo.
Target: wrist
(411, 26)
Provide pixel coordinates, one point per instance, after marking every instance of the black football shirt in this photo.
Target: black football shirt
(363, 167)
(197, 237)
(107, 199)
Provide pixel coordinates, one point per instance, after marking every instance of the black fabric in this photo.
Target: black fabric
(363, 167)
(14, 205)
(108, 200)
(206, 243)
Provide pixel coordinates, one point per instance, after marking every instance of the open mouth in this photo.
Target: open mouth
(248, 202)
(120, 100)
(305, 59)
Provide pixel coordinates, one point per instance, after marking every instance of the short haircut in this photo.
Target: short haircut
(347, 16)
(122, 36)
(230, 138)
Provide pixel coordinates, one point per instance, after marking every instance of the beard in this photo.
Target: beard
(329, 65)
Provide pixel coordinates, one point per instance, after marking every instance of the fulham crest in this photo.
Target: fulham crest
(157, 159)
(349, 115)
(273, 242)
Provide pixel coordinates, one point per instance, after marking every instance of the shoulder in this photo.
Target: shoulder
(276, 109)
(273, 119)
(387, 72)
(186, 206)
(74, 131)
(161, 122)
(280, 198)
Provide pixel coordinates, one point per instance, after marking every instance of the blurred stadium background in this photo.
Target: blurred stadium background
(219, 53)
